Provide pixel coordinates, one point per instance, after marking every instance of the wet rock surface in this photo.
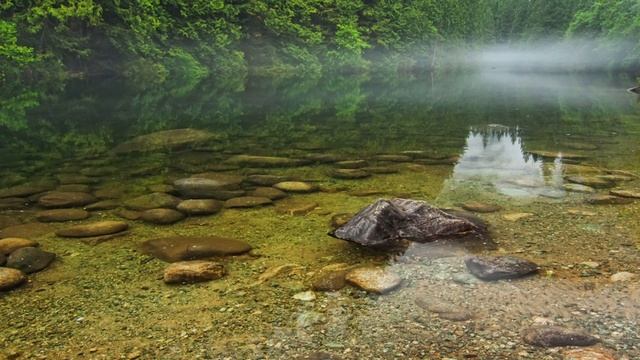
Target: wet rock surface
(387, 222)
(553, 336)
(193, 271)
(499, 267)
(93, 229)
(178, 248)
(30, 259)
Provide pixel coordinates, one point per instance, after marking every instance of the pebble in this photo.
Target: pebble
(305, 296)
(375, 280)
(193, 271)
(9, 245)
(93, 229)
(634, 194)
(10, 278)
(499, 267)
(622, 276)
(553, 336)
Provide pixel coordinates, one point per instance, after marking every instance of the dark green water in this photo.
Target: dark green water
(517, 141)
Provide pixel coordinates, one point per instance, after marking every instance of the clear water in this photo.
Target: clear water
(468, 137)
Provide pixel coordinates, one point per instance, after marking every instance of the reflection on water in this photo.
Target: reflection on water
(495, 155)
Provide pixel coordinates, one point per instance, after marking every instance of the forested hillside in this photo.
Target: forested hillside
(152, 39)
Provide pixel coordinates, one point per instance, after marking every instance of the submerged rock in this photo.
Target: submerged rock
(622, 276)
(349, 174)
(221, 187)
(161, 216)
(9, 245)
(74, 188)
(375, 280)
(103, 205)
(27, 189)
(265, 161)
(166, 139)
(499, 267)
(268, 192)
(578, 188)
(479, 207)
(388, 222)
(193, 271)
(265, 180)
(352, 164)
(296, 207)
(296, 187)
(94, 229)
(608, 200)
(634, 194)
(30, 259)
(338, 220)
(200, 206)
(591, 181)
(10, 278)
(26, 230)
(59, 215)
(553, 336)
(152, 201)
(330, 278)
(178, 248)
(247, 202)
(56, 199)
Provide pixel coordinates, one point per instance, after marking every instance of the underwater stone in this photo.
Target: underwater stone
(206, 188)
(10, 278)
(56, 199)
(608, 200)
(479, 207)
(30, 259)
(103, 205)
(9, 245)
(193, 271)
(375, 280)
(26, 230)
(296, 187)
(200, 206)
(351, 164)
(265, 180)
(74, 188)
(128, 214)
(152, 201)
(499, 267)
(94, 229)
(579, 188)
(161, 216)
(268, 192)
(591, 181)
(178, 248)
(247, 202)
(164, 140)
(387, 223)
(59, 215)
(349, 174)
(553, 336)
(27, 189)
(265, 161)
(634, 194)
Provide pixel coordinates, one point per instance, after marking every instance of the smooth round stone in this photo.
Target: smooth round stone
(330, 279)
(296, 186)
(265, 180)
(94, 229)
(247, 202)
(74, 188)
(27, 189)
(626, 193)
(177, 248)
(499, 267)
(103, 205)
(265, 161)
(10, 278)
(578, 188)
(393, 158)
(27, 230)
(479, 207)
(200, 206)
(30, 259)
(296, 207)
(56, 199)
(351, 164)
(268, 192)
(110, 192)
(128, 214)
(9, 245)
(591, 181)
(553, 336)
(193, 271)
(622, 276)
(161, 216)
(349, 174)
(59, 215)
(608, 200)
(204, 188)
(374, 279)
(152, 201)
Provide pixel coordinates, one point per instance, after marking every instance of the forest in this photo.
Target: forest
(154, 40)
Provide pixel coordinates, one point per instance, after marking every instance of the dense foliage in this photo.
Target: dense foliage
(151, 40)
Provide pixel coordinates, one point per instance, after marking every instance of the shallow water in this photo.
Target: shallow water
(505, 139)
